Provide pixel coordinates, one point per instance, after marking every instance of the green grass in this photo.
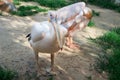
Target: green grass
(28, 10)
(109, 40)
(61, 3)
(105, 4)
(0, 13)
(51, 3)
(51, 78)
(6, 74)
(109, 4)
(91, 23)
(109, 61)
(16, 2)
(94, 13)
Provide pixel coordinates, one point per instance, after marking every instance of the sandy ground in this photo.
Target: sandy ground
(16, 53)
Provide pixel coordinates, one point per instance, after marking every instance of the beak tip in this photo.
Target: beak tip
(61, 49)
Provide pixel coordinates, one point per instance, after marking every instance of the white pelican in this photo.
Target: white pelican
(66, 16)
(47, 37)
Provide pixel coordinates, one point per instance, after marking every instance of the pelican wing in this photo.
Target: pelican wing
(39, 37)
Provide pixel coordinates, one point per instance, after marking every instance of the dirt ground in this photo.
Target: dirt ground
(16, 53)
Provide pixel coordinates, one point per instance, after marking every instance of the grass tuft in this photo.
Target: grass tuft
(110, 60)
(51, 3)
(16, 2)
(6, 74)
(105, 4)
(94, 13)
(91, 23)
(28, 10)
(109, 40)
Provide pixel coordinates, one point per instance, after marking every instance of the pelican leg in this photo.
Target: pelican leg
(52, 64)
(69, 41)
(71, 44)
(52, 61)
(36, 57)
(40, 72)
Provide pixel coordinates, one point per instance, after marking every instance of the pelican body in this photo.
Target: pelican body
(74, 17)
(43, 37)
(47, 37)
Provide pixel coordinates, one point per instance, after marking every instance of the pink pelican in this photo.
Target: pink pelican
(67, 15)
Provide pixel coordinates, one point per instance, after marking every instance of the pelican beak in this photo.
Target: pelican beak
(61, 49)
(58, 35)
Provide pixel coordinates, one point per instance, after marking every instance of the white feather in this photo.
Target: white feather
(48, 44)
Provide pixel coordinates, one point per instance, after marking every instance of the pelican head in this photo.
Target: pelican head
(53, 19)
(84, 16)
(51, 15)
(87, 12)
